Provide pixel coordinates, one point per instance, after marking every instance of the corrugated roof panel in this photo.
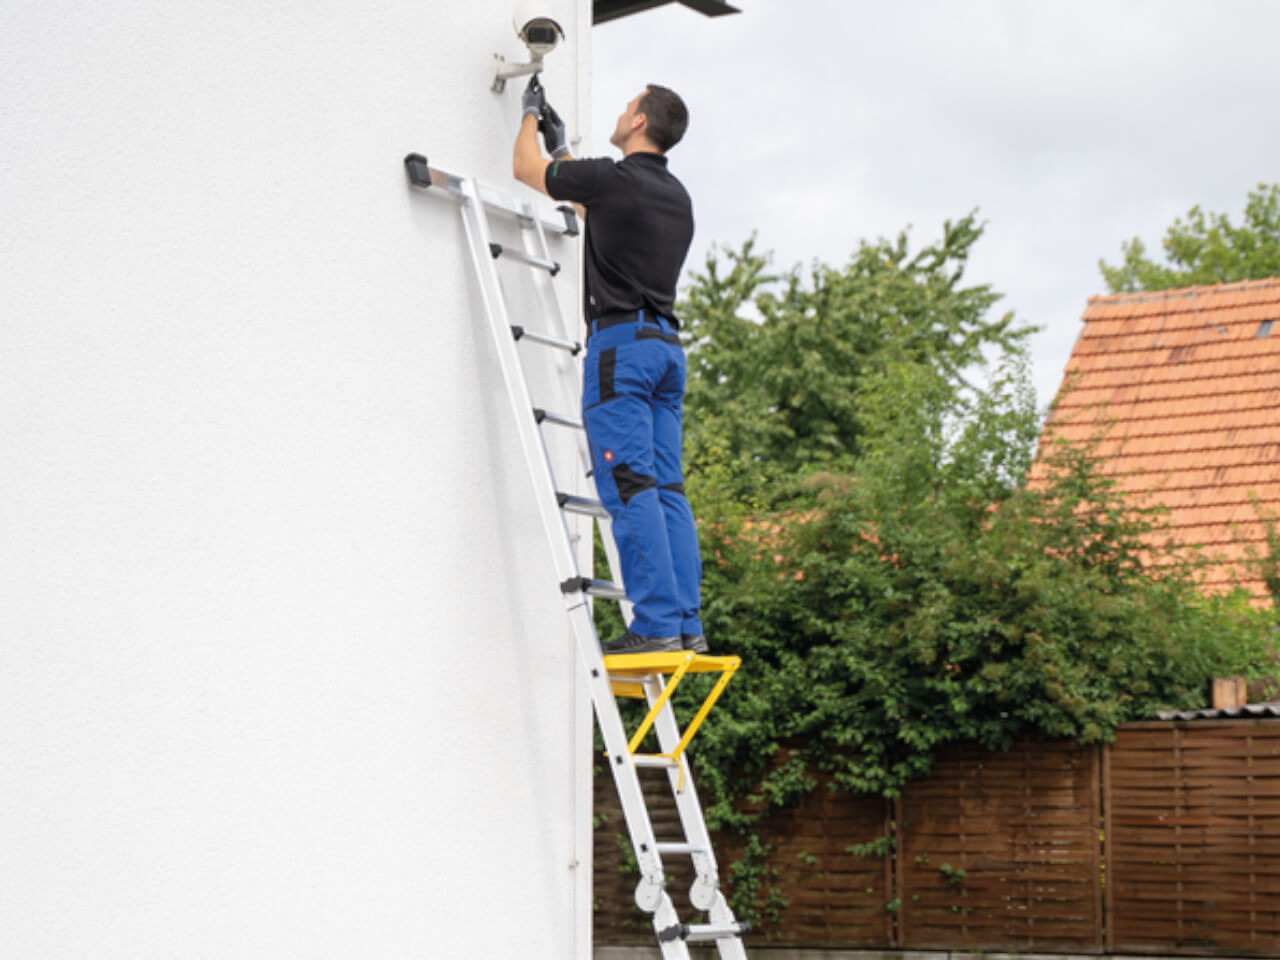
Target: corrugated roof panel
(1268, 709)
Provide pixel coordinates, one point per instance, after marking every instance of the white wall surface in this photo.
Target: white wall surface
(282, 673)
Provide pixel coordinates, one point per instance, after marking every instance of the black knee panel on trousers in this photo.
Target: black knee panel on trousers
(630, 483)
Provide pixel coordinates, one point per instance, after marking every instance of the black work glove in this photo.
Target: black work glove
(533, 99)
(552, 129)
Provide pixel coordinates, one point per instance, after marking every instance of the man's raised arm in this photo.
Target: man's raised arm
(528, 163)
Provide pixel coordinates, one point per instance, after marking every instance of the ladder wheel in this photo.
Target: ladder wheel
(648, 894)
(702, 894)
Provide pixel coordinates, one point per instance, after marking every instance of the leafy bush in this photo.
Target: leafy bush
(875, 555)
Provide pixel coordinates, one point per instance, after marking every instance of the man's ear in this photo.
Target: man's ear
(639, 122)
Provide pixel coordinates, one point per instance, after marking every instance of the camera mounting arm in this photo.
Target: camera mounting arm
(502, 71)
(539, 31)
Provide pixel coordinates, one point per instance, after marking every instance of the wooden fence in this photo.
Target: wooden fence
(1193, 817)
(1023, 827)
(1167, 841)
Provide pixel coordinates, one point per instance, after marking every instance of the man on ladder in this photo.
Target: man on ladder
(639, 224)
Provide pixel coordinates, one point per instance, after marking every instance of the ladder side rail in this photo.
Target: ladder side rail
(567, 367)
(564, 560)
(705, 893)
(556, 308)
(542, 250)
(605, 526)
(692, 821)
(650, 892)
(729, 948)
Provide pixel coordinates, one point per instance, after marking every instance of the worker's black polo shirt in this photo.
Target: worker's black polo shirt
(639, 227)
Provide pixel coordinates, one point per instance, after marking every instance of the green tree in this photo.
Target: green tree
(873, 552)
(929, 595)
(1206, 249)
(775, 361)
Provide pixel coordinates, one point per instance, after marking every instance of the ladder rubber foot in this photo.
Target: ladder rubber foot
(415, 164)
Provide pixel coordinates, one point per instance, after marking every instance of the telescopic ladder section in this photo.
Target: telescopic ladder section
(653, 677)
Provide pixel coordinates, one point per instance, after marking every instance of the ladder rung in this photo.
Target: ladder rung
(498, 250)
(593, 588)
(558, 419)
(583, 505)
(571, 346)
(652, 760)
(701, 932)
(689, 848)
(422, 174)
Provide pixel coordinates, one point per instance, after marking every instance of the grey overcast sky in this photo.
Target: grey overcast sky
(1070, 126)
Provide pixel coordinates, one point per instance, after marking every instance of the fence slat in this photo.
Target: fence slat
(999, 851)
(834, 898)
(1190, 863)
(1193, 838)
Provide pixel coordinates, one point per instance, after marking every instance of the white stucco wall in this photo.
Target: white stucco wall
(280, 671)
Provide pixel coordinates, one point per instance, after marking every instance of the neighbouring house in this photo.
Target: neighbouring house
(1181, 391)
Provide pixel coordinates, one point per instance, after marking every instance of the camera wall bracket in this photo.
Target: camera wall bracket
(502, 71)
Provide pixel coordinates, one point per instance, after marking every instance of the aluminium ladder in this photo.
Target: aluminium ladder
(636, 675)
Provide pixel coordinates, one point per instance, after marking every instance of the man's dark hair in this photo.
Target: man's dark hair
(665, 114)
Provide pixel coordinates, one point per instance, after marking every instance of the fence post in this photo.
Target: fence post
(900, 924)
(889, 857)
(1108, 842)
(1095, 776)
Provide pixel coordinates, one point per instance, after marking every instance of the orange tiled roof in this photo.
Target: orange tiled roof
(1186, 385)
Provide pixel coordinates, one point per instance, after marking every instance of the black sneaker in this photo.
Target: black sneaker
(634, 643)
(695, 642)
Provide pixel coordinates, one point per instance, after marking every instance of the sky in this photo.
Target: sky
(1070, 127)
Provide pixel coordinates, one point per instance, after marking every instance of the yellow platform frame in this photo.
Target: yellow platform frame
(629, 672)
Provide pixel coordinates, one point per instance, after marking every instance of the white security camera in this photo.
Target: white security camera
(539, 30)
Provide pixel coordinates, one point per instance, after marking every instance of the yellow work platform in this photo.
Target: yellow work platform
(630, 673)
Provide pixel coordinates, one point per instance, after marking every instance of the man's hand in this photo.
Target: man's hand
(552, 129)
(528, 163)
(534, 98)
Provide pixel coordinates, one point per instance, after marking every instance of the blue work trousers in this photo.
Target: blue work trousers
(632, 396)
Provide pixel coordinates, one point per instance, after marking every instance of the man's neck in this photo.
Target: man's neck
(639, 146)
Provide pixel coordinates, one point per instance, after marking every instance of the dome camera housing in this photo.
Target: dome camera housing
(539, 30)
(540, 33)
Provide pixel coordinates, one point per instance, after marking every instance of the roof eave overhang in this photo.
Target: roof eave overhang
(606, 10)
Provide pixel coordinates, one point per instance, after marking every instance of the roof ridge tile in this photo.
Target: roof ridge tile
(1179, 293)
